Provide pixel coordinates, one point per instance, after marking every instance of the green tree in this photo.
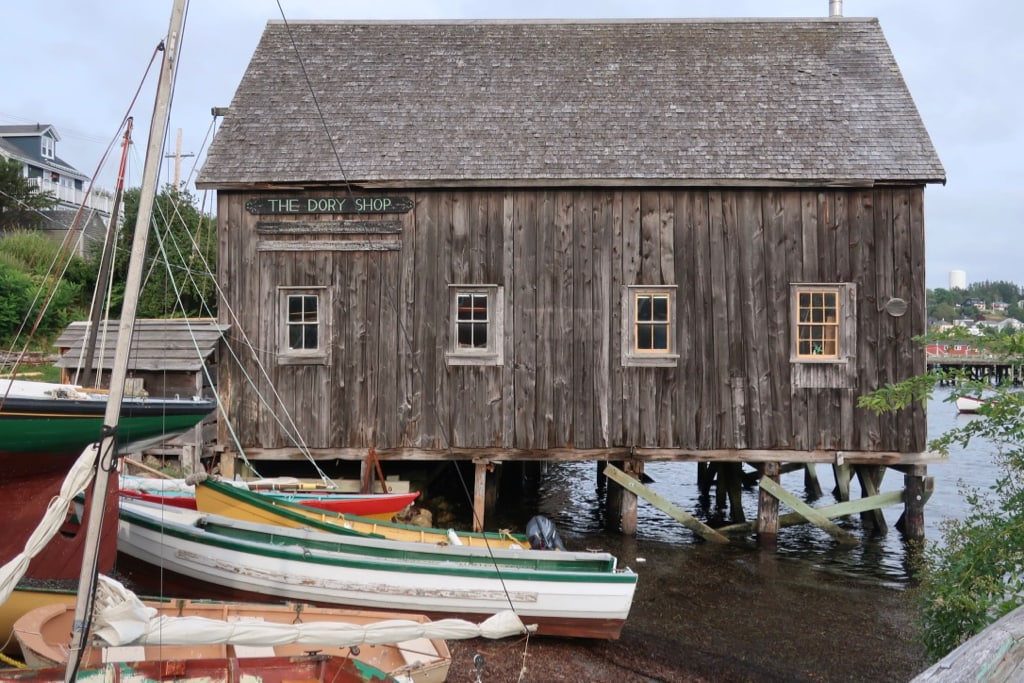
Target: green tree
(20, 200)
(945, 311)
(16, 290)
(180, 261)
(976, 573)
(40, 273)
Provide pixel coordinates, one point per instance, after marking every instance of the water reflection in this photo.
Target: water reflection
(570, 497)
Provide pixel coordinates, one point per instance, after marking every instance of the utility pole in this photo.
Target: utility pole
(177, 161)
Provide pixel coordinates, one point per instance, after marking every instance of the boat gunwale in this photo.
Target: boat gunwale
(297, 513)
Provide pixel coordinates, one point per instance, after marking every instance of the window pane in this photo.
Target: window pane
(294, 308)
(643, 308)
(644, 338)
(818, 326)
(472, 319)
(660, 308)
(480, 335)
(303, 322)
(310, 337)
(480, 307)
(309, 306)
(660, 341)
(464, 307)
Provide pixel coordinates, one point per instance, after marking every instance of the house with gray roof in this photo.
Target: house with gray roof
(630, 240)
(34, 146)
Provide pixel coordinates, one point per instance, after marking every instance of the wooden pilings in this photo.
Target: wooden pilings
(622, 499)
(767, 504)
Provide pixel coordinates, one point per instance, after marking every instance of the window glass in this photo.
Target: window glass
(471, 321)
(818, 318)
(303, 322)
(652, 322)
(477, 325)
(648, 326)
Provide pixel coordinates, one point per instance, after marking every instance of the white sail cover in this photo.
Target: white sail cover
(122, 619)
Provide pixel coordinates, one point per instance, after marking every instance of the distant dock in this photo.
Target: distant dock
(996, 370)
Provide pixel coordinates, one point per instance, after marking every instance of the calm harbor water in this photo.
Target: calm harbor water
(568, 496)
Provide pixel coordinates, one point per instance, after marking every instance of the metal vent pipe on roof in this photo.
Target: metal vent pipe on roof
(835, 8)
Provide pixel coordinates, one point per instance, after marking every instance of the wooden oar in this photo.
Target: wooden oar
(151, 470)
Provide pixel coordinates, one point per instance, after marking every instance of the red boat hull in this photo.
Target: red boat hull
(371, 505)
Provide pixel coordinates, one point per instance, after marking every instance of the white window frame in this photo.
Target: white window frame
(493, 351)
(844, 323)
(47, 147)
(318, 356)
(632, 356)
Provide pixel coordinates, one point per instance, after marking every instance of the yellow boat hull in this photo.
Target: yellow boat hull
(250, 507)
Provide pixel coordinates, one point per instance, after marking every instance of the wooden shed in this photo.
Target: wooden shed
(593, 240)
(174, 357)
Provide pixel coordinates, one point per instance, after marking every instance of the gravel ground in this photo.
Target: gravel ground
(707, 614)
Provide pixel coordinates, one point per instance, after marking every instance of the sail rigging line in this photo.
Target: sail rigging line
(88, 351)
(441, 426)
(291, 428)
(65, 250)
(157, 133)
(316, 100)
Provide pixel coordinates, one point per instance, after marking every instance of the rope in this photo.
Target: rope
(11, 661)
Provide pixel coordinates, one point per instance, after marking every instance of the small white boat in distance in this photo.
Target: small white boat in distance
(969, 404)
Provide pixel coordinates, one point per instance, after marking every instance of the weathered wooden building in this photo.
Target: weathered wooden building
(612, 240)
(168, 358)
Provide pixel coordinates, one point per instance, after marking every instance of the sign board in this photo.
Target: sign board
(339, 204)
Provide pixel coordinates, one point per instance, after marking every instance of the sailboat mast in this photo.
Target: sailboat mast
(104, 271)
(119, 372)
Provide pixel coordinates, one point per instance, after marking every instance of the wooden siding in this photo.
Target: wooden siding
(563, 257)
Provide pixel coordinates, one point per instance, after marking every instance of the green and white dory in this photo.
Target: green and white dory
(198, 555)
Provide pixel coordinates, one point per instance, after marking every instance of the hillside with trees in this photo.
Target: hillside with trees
(952, 304)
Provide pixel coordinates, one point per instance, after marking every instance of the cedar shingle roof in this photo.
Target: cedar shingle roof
(809, 101)
(157, 345)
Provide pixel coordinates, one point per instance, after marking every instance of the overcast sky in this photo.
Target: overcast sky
(77, 65)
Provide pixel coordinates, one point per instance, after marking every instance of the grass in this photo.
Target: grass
(43, 372)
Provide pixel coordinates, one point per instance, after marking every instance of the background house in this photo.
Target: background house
(35, 147)
(613, 240)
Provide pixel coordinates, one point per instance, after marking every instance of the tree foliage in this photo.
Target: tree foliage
(36, 273)
(180, 260)
(976, 573)
(20, 200)
(947, 304)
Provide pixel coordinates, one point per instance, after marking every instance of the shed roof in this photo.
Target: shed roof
(732, 102)
(157, 345)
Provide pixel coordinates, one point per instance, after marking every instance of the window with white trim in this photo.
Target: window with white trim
(303, 325)
(47, 148)
(477, 333)
(649, 326)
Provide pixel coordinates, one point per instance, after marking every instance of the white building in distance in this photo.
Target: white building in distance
(957, 279)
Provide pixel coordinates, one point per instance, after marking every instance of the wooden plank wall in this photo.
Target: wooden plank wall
(563, 257)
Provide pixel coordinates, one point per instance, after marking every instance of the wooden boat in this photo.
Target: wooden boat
(382, 548)
(217, 497)
(40, 420)
(23, 599)
(969, 404)
(166, 545)
(306, 668)
(176, 492)
(42, 634)
(44, 428)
